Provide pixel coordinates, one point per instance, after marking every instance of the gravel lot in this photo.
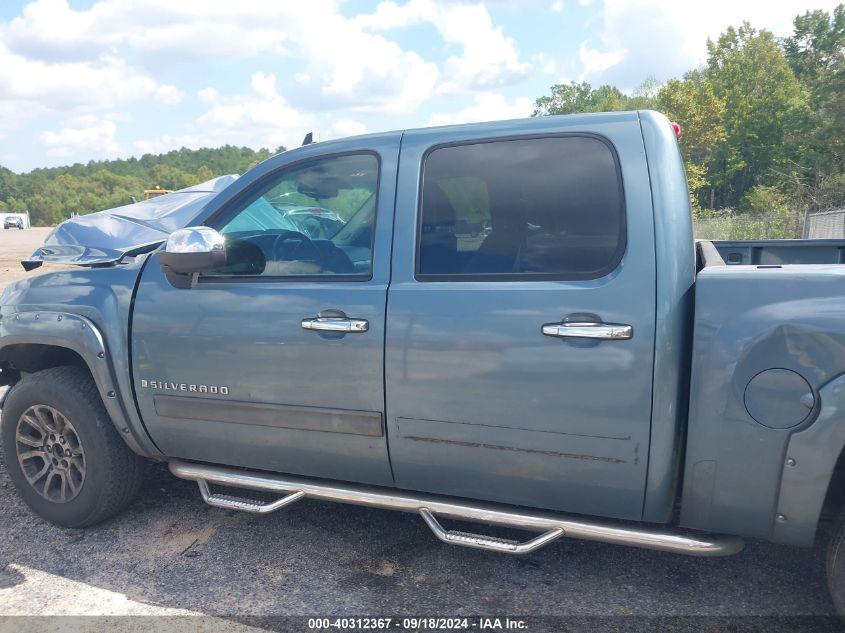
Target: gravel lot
(16, 245)
(171, 554)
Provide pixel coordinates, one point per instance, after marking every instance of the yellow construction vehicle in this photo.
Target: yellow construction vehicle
(153, 193)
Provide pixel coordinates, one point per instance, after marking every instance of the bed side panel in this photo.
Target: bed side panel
(748, 321)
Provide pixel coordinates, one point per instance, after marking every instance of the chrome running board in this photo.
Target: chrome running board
(229, 502)
(492, 543)
(430, 508)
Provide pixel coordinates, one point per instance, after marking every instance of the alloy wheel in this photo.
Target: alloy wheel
(50, 453)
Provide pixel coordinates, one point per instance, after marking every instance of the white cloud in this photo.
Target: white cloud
(347, 127)
(595, 61)
(63, 85)
(389, 15)
(487, 107)
(258, 118)
(544, 63)
(208, 95)
(49, 30)
(342, 63)
(557, 6)
(488, 57)
(666, 38)
(169, 95)
(89, 133)
(350, 67)
(167, 142)
(261, 118)
(33, 87)
(264, 85)
(13, 116)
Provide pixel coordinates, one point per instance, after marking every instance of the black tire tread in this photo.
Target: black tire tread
(836, 564)
(123, 467)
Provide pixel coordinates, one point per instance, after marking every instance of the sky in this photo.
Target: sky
(87, 80)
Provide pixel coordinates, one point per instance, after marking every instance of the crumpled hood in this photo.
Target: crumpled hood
(106, 236)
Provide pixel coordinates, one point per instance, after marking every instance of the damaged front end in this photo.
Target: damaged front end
(105, 237)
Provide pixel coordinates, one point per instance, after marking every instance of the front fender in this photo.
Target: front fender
(78, 334)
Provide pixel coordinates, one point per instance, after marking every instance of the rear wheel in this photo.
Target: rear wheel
(62, 451)
(836, 565)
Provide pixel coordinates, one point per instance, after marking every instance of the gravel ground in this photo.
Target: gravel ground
(170, 554)
(16, 245)
(170, 551)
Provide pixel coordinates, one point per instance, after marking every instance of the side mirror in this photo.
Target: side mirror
(192, 251)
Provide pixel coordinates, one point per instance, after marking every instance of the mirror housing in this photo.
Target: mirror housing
(191, 251)
(326, 187)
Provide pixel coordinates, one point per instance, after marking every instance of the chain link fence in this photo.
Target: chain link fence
(817, 225)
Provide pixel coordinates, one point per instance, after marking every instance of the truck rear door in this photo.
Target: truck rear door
(521, 315)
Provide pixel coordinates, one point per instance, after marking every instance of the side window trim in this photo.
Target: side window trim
(521, 276)
(230, 210)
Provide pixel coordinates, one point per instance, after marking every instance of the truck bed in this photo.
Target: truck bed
(776, 252)
(768, 352)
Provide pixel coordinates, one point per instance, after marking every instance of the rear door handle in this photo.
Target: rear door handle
(336, 324)
(593, 330)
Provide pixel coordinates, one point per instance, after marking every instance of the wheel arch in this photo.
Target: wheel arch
(33, 341)
(834, 501)
(813, 476)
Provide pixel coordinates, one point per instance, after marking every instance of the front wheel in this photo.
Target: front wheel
(62, 451)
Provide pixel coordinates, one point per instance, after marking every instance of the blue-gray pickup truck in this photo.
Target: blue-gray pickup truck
(505, 323)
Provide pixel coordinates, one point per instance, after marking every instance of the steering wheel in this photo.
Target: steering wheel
(312, 226)
(290, 246)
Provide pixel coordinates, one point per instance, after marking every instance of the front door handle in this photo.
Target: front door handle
(336, 324)
(593, 330)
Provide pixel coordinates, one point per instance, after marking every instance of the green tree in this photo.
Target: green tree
(816, 54)
(774, 209)
(749, 71)
(204, 173)
(645, 96)
(815, 49)
(51, 195)
(694, 105)
(573, 97)
(8, 183)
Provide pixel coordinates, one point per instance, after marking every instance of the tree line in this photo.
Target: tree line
(51, 195)
(763, 121)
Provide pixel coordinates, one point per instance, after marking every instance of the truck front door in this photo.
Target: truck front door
(521, 315)
(252, 367)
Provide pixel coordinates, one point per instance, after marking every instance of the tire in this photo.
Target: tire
(836, 565)
(91, 474)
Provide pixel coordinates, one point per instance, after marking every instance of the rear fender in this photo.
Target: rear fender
(810, 461)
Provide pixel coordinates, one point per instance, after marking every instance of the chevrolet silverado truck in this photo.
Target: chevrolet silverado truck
(511, 325)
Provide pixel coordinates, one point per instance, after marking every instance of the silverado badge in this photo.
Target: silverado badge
(181, 386)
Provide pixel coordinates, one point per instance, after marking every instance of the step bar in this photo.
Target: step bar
(431, 508)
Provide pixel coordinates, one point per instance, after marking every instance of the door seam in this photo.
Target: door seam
(386, 303)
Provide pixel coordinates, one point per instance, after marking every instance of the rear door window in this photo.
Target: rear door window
(542, 208)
